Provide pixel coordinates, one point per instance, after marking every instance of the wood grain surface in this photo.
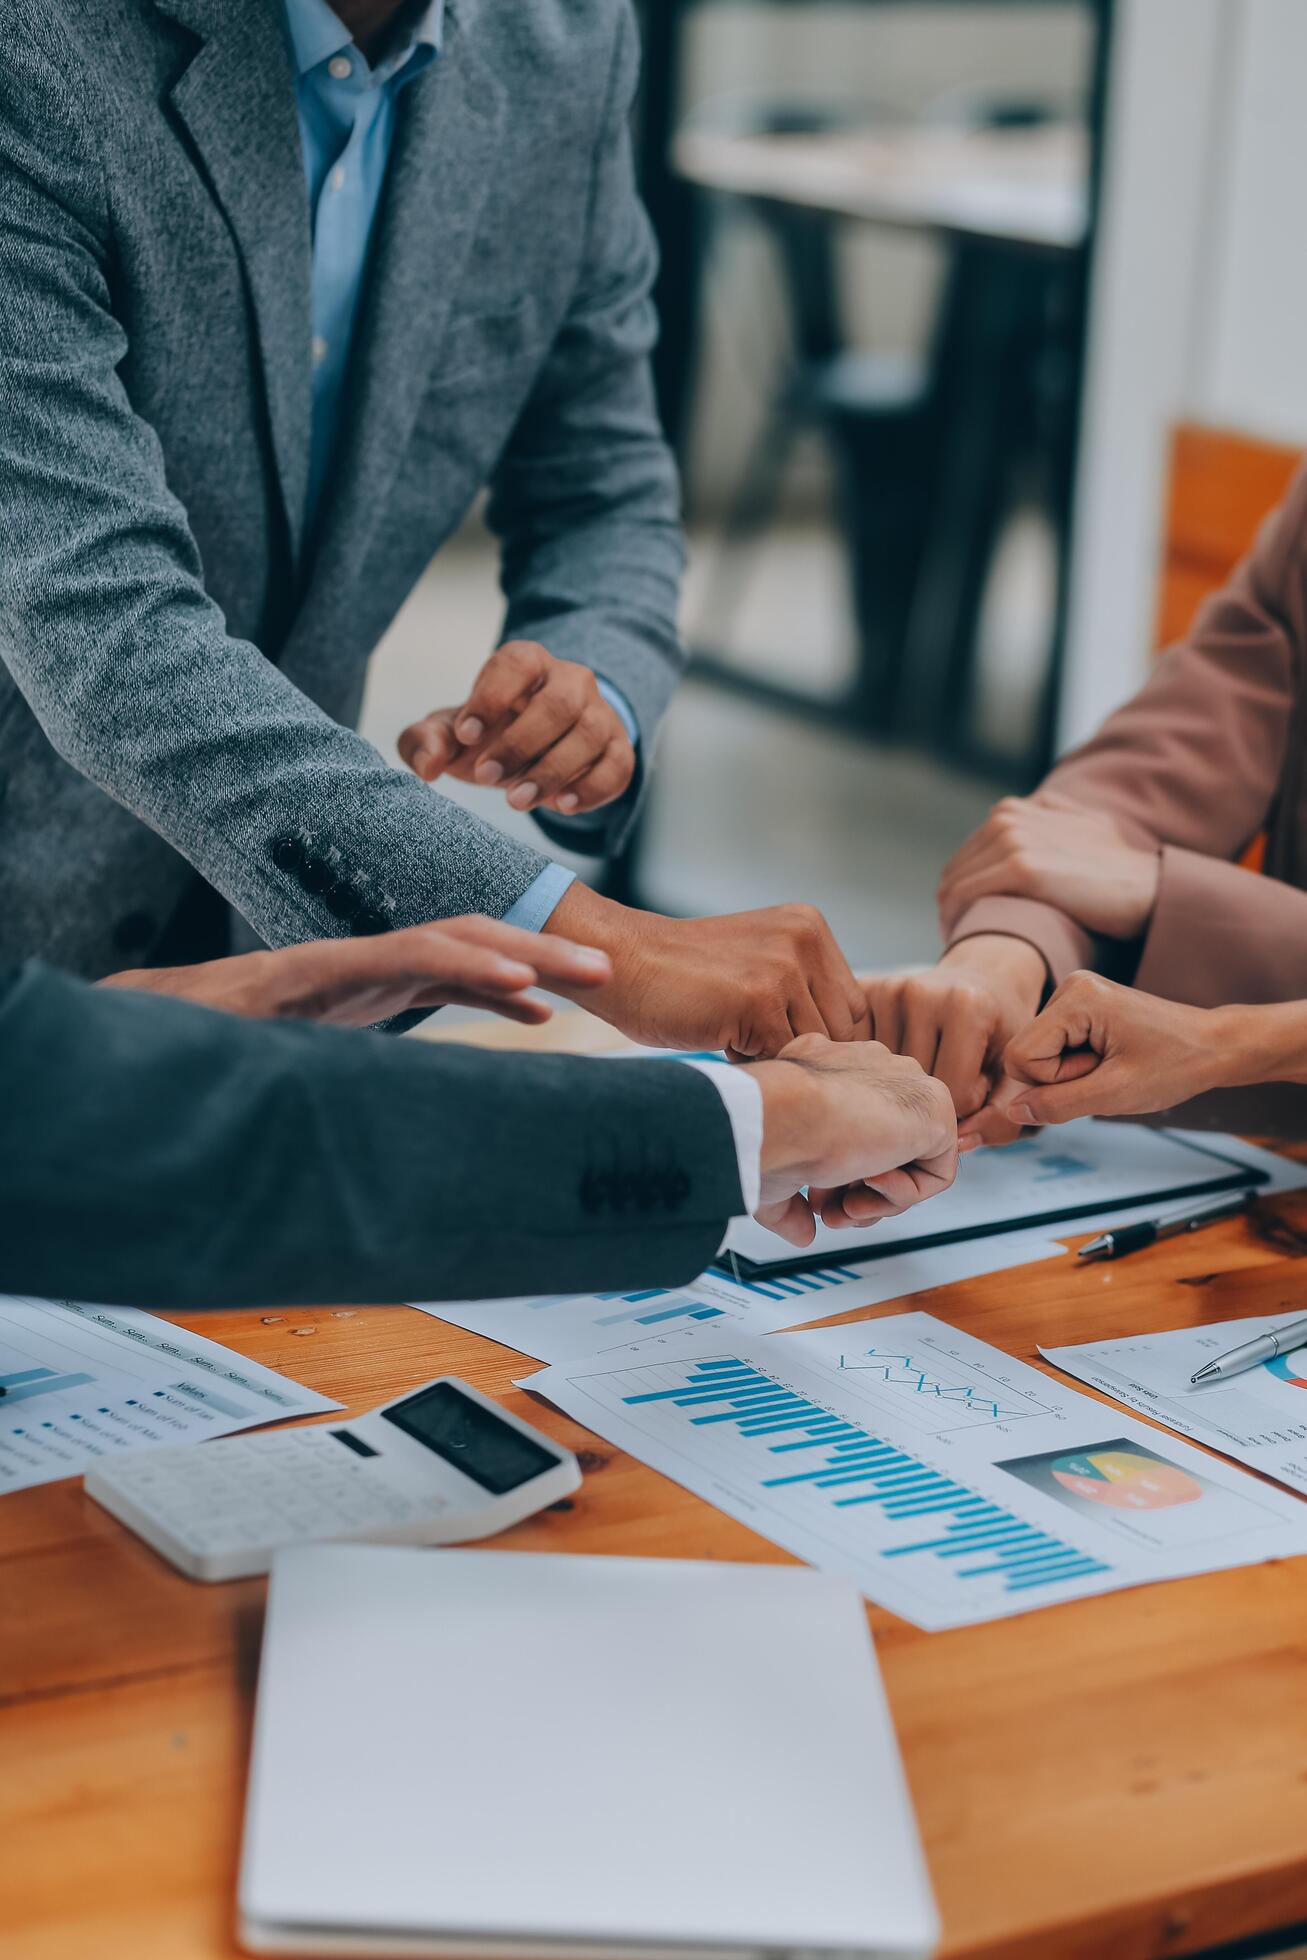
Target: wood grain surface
(1118, 1778)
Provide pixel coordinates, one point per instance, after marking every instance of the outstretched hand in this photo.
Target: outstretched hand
(471, 962)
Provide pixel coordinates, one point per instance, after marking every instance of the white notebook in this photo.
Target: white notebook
(497, 1753)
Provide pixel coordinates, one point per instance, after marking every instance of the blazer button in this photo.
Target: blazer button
(288, 855)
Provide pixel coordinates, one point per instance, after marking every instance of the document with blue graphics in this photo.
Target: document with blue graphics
(563, 1326)
(80, 1383)
(952, 1483)
(1255, 1417)
(1065, 1176)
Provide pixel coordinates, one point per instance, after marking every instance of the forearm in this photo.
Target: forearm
(1251, 1045)
(158, 1154)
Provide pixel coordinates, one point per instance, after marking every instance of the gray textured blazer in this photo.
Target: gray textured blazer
(181, 669)
(158, 1154)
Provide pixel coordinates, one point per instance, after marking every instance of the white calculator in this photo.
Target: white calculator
(437, 1467)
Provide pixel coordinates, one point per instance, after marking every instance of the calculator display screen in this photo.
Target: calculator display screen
(490, 1452)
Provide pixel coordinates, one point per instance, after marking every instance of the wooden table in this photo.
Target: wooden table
(1118, 1777)
(1024, 186)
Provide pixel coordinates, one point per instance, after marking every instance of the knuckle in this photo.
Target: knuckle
(805, 923)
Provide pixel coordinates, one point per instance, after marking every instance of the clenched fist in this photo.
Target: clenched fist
(535, 727)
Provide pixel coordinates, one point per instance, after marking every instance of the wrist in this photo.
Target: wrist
(1013, 965)
(791, 1118)
(1138, 892)
(589, 919)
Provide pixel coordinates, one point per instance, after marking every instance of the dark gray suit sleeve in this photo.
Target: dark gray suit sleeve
(107, 628)
(586, 498)
(156, 1153)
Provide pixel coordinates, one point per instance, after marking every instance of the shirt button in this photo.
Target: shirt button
(340, 68)
(337, 178)
(319, 350)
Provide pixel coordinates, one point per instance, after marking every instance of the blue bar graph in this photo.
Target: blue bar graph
(28, 1382)
(794, 1285)
(983, 1540)
(640, 1309)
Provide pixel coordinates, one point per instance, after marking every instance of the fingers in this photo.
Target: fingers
(841, 1006)
(834, 1004)
(1037, 1053)
(552, 959)
(921, 1030)
(1090, 1094)
(990, 1128)
(514, 670)
(792, 1219)
(885, 1014)
(608, 778)
(964, 1047)
(560, 732)
(430, 746)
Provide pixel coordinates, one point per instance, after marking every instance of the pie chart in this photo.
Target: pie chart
(1125, 1481)
(1291, 1368)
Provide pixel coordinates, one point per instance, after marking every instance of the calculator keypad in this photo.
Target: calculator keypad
(256, 1493)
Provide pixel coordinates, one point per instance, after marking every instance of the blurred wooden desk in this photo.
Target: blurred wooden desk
(1118, 1778)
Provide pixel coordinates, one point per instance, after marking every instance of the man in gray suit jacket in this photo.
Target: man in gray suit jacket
(160, 1154)
(283, 285)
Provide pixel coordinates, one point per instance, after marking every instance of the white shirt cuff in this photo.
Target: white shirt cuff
(743, 1100)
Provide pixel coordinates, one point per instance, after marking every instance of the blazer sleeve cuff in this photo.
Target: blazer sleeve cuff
(1221, 934)
(1066, 947)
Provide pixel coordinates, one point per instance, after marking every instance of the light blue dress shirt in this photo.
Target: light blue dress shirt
(347, 123)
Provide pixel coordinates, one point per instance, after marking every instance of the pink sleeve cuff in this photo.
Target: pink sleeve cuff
(1066, 947)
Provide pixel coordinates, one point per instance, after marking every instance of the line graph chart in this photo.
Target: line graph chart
(934, 1395)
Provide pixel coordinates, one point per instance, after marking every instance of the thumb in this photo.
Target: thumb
(791, 1218)
(1061, 1102)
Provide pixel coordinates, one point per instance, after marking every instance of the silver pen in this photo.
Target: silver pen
(1169, 1225)
(1250, 1353)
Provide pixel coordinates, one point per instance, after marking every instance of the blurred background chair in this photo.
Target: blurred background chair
(930, 444)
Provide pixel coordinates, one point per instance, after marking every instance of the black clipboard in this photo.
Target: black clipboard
(1241, 1177)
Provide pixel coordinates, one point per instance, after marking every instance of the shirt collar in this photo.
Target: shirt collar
(317, 32)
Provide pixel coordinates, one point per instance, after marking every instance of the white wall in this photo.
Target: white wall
(1200, 302)
(1252, 371)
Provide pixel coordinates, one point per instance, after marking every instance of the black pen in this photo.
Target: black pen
(1170, 1225)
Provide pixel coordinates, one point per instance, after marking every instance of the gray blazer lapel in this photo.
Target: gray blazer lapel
(236, 100)
(445, 149)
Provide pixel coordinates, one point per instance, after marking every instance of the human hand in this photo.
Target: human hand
(535, 727)
(470, 962)
(1099, 1049)
(748, 983)
(1048, 848)
(866, 1132)
(956, 1018)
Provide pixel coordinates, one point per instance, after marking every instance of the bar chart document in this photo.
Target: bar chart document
(564, 1326)
(1257, 1417)
(79, 1383)
(1071, 1173)
(952, 1483)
